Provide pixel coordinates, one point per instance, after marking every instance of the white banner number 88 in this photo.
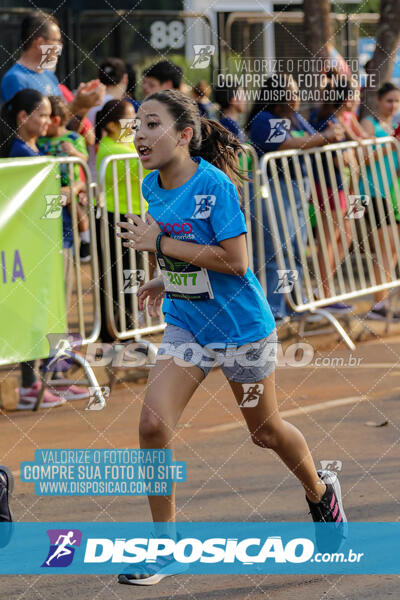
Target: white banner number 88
(167, 34)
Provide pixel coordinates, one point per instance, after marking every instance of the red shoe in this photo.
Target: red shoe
(28, 397)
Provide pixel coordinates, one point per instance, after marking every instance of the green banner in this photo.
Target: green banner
(32, 297)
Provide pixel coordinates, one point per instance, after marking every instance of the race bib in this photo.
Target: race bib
(184, 281)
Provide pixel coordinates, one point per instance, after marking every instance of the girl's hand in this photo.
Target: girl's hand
(139, 235)
(154, 291)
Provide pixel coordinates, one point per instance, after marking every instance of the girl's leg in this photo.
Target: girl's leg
(169, 390)
(268, 430)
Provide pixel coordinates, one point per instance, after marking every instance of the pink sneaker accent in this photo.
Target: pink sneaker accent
(333, 500)
(28, 397)
(336, 509)
(70, 392)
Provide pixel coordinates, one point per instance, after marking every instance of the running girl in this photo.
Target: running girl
(196, 227)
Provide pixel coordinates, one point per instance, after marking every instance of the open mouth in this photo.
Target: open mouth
(144, 151)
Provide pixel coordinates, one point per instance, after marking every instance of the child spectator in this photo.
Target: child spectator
(232, 103)
(111, 137)
(59, 141)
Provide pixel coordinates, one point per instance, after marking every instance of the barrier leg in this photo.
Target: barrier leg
(341, 331)
(95, 403)
(98, 402)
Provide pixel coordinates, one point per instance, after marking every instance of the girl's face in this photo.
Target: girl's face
(35, 124)
(389, 104)
(156, 138)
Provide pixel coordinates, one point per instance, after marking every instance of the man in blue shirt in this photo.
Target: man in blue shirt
(41, 46)
(39, 33)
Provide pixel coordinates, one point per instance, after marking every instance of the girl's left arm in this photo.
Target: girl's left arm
(229, 256)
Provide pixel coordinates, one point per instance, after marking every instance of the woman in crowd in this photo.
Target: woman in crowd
(381, 125)
(275, 124)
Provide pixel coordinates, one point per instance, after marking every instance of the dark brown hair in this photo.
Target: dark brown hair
(59, 108)
(35, 25)
(386, 88)
(112, 112)
(210, 140)
(27, 100)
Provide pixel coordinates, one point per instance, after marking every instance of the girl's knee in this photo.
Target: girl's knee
(151, 427)
(267, 436)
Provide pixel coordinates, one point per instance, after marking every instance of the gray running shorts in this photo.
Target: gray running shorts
(245, 364)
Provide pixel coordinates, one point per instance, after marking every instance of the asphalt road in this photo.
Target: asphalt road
(228, 477)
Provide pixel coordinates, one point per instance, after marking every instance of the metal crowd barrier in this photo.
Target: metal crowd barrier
(123, 319)
(88, 331)
(251, 189)
(343, 248)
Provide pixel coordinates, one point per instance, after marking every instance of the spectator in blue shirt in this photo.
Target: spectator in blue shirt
(34, 68)
(232, 104)
(41, 45)
(275, 124)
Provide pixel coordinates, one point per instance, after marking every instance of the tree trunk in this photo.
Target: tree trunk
(381, 65)
(317, 27)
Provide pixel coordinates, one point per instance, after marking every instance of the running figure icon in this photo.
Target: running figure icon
(62, 549)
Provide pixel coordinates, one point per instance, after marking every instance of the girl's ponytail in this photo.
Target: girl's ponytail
(210, 140)
(27, 100)
(220, 148)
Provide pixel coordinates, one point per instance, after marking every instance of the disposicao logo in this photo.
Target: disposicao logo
(190, 550)
(62, 547)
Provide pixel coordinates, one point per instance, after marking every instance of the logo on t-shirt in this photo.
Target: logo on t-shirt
(204, 204)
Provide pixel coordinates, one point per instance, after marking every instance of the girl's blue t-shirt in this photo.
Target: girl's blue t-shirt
(206, 210)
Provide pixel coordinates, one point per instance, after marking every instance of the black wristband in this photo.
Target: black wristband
(158, 241)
